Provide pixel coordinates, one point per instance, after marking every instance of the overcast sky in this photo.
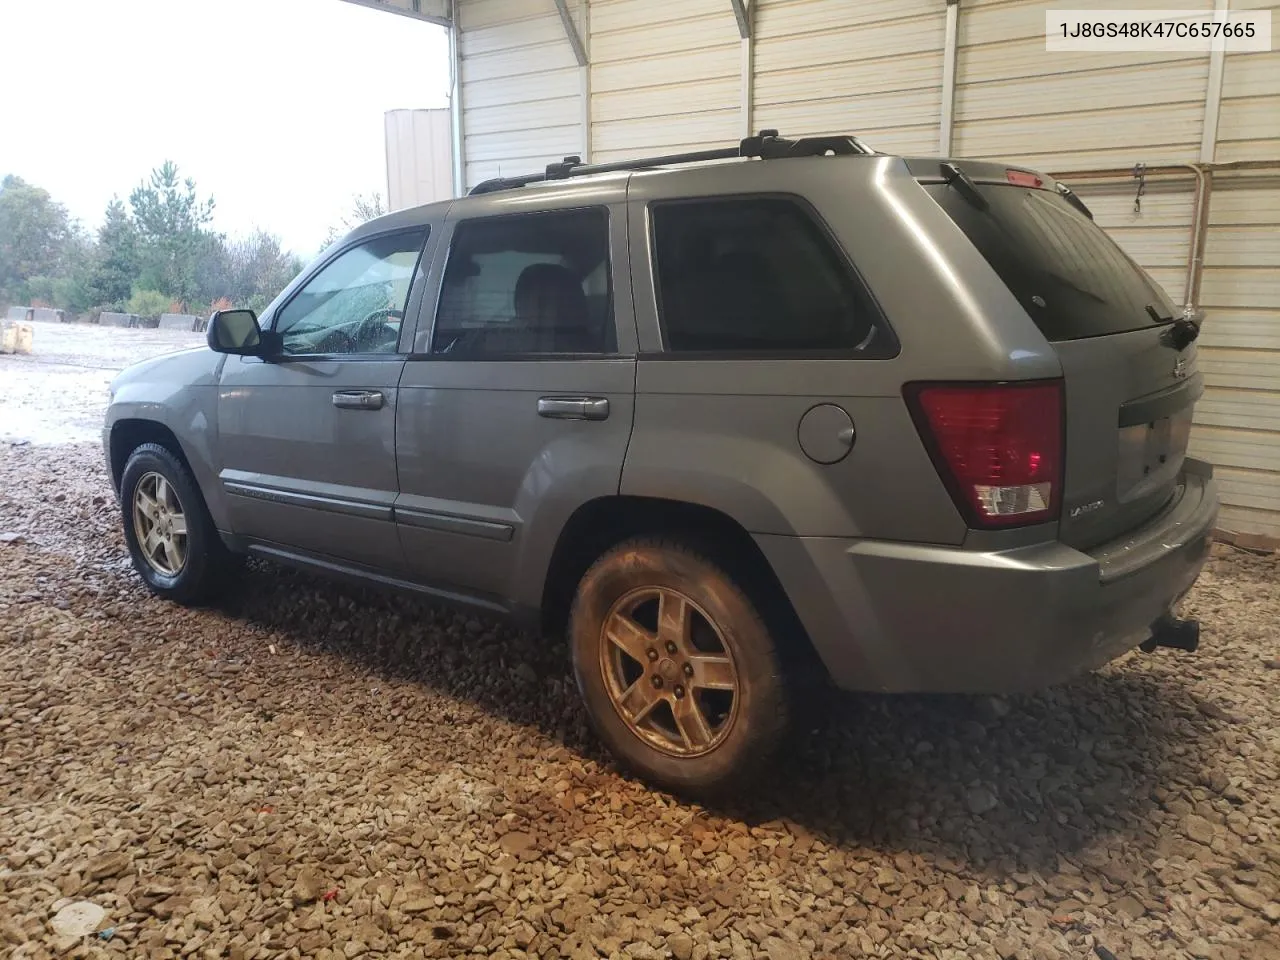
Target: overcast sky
(274, 106)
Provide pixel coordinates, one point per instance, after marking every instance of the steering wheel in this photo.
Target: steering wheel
(366, 329)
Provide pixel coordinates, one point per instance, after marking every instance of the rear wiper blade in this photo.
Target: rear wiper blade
(955, 177)
(1155, 314)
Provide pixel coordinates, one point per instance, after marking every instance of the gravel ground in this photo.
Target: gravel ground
(321, 771)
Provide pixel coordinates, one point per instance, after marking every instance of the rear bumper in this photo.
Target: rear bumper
(899, 617)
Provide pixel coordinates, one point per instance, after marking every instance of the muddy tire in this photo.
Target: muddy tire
(171, 538)
(678, 670)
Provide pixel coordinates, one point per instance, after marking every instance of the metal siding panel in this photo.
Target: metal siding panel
(531, 88)
(1070, 111)
(1252, 246)
(612, 16)
(801, 83)
(640, 103)
(1024, 19)
(1238, 420)
(1243, 330)
(664, 77)
(1228, 447)
(873, 68)
(1242, 409)
(1154, 133)
(520, 88)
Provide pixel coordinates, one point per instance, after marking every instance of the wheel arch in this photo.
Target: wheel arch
(129, 433)
(599, 524)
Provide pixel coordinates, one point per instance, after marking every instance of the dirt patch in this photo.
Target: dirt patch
(330, 772)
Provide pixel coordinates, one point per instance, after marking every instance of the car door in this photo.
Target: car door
(307, 436)
(516, 406)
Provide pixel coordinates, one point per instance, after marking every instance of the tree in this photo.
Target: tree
(258, 269)
(363, 209)
(171, 220)
(148, 303)
(115, 264)
(34, 235)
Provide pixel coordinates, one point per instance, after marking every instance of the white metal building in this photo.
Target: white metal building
(538, 80)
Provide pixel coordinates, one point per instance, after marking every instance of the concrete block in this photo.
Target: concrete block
(108, 319)
(20, 314)
(50, 315)
(179, 321)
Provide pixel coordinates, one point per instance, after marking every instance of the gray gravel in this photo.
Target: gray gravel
(312, 770)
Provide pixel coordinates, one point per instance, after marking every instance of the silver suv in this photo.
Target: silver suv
(717, 416)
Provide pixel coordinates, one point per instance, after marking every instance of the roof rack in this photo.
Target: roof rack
(766, 145)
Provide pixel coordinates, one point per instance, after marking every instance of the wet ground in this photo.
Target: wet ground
(57, 393)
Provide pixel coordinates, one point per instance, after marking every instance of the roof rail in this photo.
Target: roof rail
(766, 145)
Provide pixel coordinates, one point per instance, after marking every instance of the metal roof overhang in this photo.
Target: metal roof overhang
(432, 11)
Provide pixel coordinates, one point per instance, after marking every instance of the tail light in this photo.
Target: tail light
(997, 446)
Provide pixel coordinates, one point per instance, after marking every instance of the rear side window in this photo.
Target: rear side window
(1071, 278)
(758, 275)
(527, 284)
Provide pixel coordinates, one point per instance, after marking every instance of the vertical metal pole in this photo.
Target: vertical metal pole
(949, 50)
(748, 71)
(1213, 95)
(584, 82)
(455, 102)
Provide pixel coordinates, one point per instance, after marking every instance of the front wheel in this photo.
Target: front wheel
(171, 538)
(680, 676)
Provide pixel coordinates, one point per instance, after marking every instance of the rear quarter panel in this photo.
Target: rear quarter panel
(723, 431)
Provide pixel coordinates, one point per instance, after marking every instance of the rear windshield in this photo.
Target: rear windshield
(1072, 279)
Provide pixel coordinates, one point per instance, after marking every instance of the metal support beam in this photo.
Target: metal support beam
(743, 16)
(584, 85)
(950, 46)
(571, 31)
(748, 80)
(1213, 95)
(412, 9)
(455, 102)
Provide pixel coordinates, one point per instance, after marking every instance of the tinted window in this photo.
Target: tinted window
(1070, 277)
(758, 274)
(528, 284)
(355, 304)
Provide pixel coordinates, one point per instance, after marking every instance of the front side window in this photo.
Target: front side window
(758, 275)
(527, 284)
(355, 304)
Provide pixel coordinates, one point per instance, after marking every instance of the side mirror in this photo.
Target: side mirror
(235, 331)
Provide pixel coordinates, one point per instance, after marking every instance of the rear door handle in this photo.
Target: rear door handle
(574, 408)
(358, 399)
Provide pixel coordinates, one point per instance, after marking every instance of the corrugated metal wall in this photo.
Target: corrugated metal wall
(1238, 420)
(521, 89)
(870, 68)
(1067, 111)
(1239, 417)
(668, 75)
(665, 77)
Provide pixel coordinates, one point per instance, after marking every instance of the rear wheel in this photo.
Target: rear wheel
(679, 673)
(171, 538)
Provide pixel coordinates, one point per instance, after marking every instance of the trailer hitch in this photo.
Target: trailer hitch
(1170, 631)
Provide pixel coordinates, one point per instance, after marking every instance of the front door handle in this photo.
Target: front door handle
(358, 399)
(574, 408)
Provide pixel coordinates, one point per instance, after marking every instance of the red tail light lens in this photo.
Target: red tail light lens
(997, 446)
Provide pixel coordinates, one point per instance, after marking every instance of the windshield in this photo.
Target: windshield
(1072, 278)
